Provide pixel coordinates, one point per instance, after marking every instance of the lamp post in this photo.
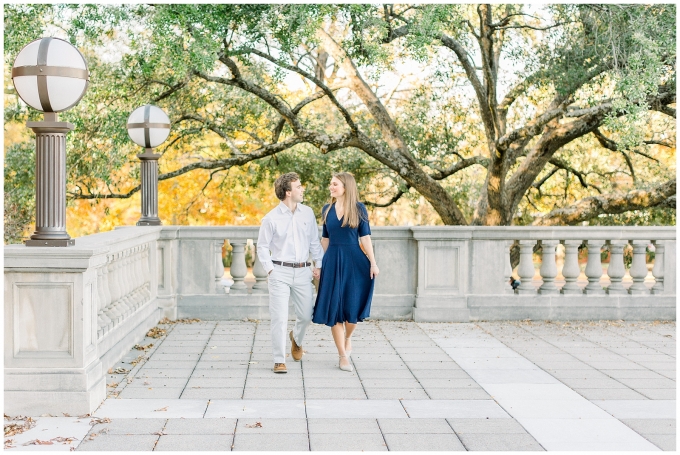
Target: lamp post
(148, 126)
(51, 76)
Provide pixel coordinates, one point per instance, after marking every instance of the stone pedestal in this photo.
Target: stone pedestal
(149, 189)
(50, 183)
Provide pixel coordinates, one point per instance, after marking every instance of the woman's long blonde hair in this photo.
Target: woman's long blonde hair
(351, 215)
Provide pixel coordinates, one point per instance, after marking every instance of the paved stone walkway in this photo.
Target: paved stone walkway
(416, 386)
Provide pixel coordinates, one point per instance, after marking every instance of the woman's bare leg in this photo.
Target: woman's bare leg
(349, 329)
(338, 333)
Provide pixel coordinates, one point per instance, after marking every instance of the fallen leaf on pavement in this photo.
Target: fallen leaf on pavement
(98, 420)
(8, 443)
(161, 409)
(121, 370)
(254, 425)
(38, 442)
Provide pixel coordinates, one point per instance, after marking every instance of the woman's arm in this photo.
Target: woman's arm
(324, 243)
(368, 248)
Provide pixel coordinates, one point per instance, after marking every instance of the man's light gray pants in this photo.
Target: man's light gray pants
(289, 283)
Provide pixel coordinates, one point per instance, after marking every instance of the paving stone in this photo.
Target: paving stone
(151, 392)
(216, 382)
(487, 441)
(578, 374)
(342, 442)
(169, 364)
(416, 426)
(593, 383)
(233, 373)
(421, 442)
(271, 442)
(663, 441)
(658, 394)
(129, 426)
(448, 365)
(448, 382)
(264, 393)
(119, 443)
(491, 426)
(651, 426)
(325, 393)
(145, 371)
(211, 442)
(378, 393)
(342, 382)
(391, 383)
(199, 427)
(401, 373)
(271, 426)
(157, 382)
(457, 373)
(277, 380)
(343, 426)
(467, 393)
(631, 374)
(662, 383)
(213, 393)
(609, 394)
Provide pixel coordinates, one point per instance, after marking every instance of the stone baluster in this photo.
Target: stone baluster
(657, 271)
(106, 305)
(260, 286)
(126, 300)
(548, 267)
(238, 268)
(124, 283)
(594, 268)
(146, 273)
(113, 310)
(526, 267)
(133, 296)
(219, 267)
(638, 269)
(139, 268)
(616, 270)
(103, 320)
(571, 269)
(507, 271)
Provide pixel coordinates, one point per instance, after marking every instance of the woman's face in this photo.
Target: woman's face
(336, 187)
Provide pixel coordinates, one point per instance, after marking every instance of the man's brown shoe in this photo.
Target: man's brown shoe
(280, 368)
(295, 350)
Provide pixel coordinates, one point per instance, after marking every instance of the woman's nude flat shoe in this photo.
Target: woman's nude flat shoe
(345, 367)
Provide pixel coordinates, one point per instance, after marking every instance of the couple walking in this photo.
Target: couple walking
(287, 236)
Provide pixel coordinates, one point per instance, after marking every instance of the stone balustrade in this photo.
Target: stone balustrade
(71, 313)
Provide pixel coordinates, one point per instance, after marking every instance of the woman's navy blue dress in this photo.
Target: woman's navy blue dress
(345, 285)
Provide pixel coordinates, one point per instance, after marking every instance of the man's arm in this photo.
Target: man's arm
(315, 245)
(264, 237)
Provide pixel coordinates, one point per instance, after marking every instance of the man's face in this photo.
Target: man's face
(297, 191)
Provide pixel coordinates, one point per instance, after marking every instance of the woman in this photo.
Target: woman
(346, 282)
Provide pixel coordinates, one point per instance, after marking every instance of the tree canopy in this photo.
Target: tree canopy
(493, 114)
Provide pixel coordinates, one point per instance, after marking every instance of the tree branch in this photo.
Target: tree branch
(611, 203)
(394, 199)
(460, 165)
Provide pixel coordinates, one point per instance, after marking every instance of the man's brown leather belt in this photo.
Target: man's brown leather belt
(295, 265)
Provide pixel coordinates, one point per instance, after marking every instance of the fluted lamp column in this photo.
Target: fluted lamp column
(51, 76)
(149, 127)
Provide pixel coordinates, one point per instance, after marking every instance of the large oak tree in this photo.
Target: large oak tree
(518, 101)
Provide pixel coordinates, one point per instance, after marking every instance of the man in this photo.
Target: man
(289, 232)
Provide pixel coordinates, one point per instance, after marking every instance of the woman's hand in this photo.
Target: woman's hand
(374, 271)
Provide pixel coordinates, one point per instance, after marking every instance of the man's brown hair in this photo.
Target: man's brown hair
(282, 184)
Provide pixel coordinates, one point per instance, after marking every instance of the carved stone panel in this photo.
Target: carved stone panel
(43, 320)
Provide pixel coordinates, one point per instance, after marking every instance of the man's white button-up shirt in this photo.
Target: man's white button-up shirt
(290, 236)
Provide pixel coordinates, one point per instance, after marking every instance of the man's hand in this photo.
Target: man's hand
(316, 273)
